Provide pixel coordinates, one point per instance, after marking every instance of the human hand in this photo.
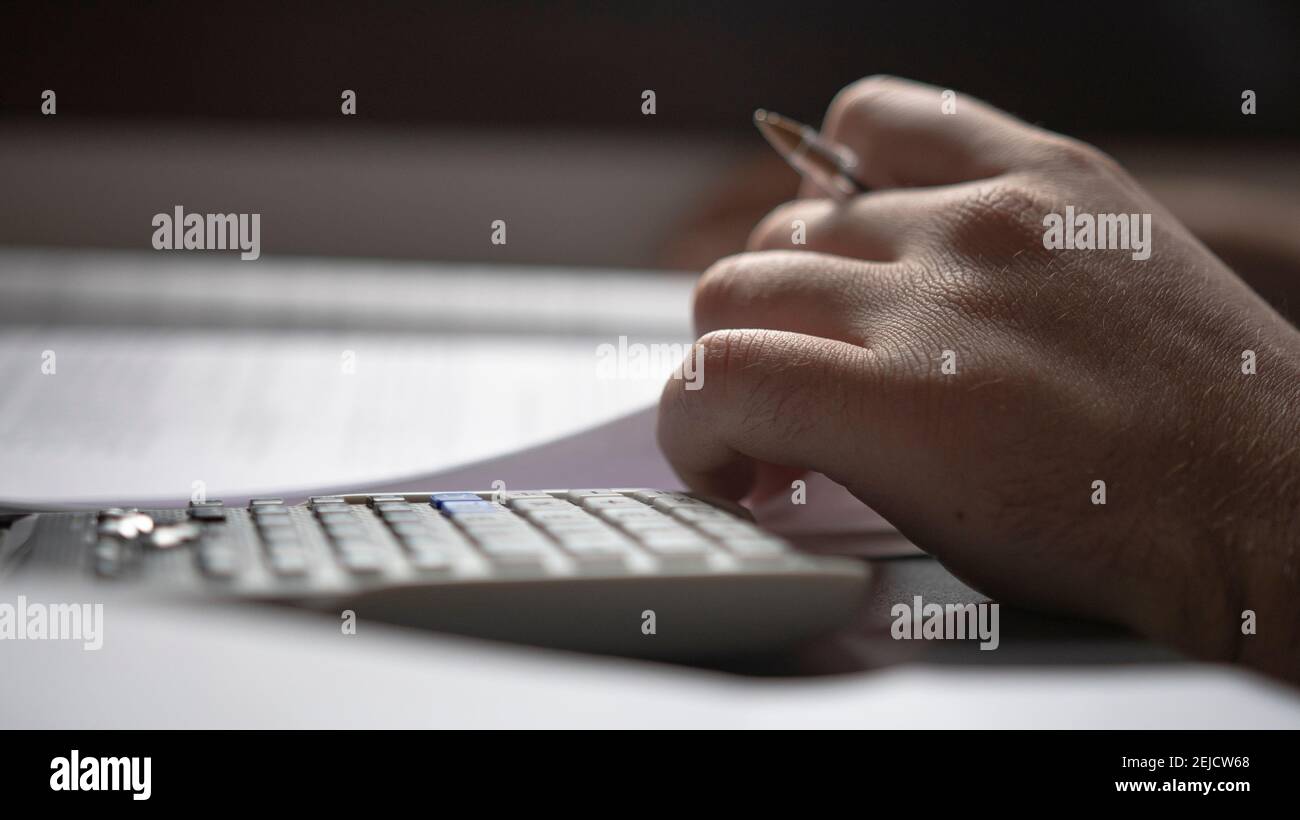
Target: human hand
(926, 350)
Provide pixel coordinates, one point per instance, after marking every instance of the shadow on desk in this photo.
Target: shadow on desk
(1024, 638)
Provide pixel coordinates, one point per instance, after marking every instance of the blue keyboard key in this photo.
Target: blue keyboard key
(438, 499)
(454, 508)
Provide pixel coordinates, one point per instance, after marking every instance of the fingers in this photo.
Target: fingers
(908, 134)
(800, 292)
(800, 403)
(880, 226)
(768, 397)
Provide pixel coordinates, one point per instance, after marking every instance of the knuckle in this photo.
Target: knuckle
(1008, 199)
(730, 351)
(1006, 216)
(856, 101)
(725, 358)
(740, 359)
(774, 229)
(1079, 156)
(716, 287)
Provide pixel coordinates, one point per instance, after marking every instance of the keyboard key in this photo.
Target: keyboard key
(210, 503)
(438, 542)
(670, 535)
(662, 524)
(512, 550)
(528, 537)
(217, 559)
(401, 528)
(360, 561)
(516, 532)
(208, 513)
(640, 512)
(566, 512)
(577, 496)
(428, 560)
(490, 521)
(439, 499)
(565, 530)
(277, 528)
(603, 502)
(443, 532)
(647, 496)
(598, 556)
(341, 524)
(419, 541)
(449, 540)
(756, 547)
(731, 528)
(346, 532)
(593, 542)
(529, 505)
(279, 535)
(672, 543)
(399, 516)
(376, 500)
(457, 508)
(393, 507)
(668, 503)
(510, 546)
(566, 526)
(288, 560)
(525, 494)
(107, 557)
(331, 507)
(268, 511)
(327, 499)
(353, 543)
(693, 513)
(589, 535)
(253, 503)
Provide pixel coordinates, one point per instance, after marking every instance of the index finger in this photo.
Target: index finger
(908, 134)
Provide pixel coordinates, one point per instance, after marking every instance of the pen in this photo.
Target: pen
(830, 166)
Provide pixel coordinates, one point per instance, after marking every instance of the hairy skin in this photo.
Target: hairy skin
(1072, 366)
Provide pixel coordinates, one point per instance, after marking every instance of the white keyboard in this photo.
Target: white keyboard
(638, 572)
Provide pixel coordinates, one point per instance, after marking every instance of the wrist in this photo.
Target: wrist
(1223, 554)
(1264, 545)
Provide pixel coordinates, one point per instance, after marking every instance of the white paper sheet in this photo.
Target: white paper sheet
(127, 377)
(139, 414)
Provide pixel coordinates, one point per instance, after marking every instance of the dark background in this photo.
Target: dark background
(1151, 68)
(531, 112)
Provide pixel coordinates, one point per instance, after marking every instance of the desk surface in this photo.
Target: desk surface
(171, 667)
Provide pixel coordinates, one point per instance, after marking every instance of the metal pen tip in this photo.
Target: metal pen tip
(784, 135)
(827, 164)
